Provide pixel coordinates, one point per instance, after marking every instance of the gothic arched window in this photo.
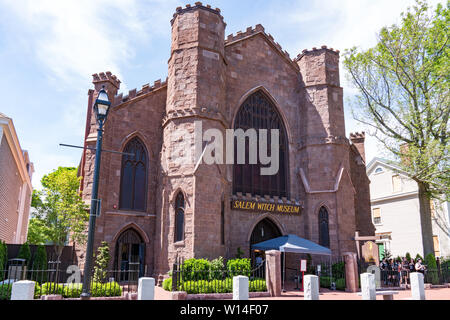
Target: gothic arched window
(258, 112)
(133, 181)
(324, 235)
(179, 217)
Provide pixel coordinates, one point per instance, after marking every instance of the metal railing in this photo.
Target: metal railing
(68, 282)
(198, 281)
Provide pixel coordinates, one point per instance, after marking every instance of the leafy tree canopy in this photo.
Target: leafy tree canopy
(59, 210)
(404, 95)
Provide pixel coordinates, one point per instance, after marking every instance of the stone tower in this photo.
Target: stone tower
(195, 103)
(326, 179)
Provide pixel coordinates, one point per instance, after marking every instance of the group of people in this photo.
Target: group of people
(395, 273)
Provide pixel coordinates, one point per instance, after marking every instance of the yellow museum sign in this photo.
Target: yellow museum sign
(246, 205)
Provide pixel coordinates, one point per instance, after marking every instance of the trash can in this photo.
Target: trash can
(17, 269)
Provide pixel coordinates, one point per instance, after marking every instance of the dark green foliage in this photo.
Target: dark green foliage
(408, 256)
(167, 284)
(337, 270)
(3, 259)
(418, 256)
(217, 269)
(102, 259)
(239, 267)
(39, 264)
(5, 291)
(214, 286)
(195, 269)
(52, 288)
(239, 253)
(25, 253)
(431, 273)
(325, 282)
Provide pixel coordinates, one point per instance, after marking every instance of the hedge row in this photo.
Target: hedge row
(110, 289)
(325, 282)
(214, 286)
(5, 291)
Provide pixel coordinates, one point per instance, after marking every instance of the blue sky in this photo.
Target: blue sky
(49, 50)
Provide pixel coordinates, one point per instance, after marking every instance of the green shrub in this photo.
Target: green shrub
(217, 267)
(325, 282)
(102, 259)
(25, 253)
(195, 269)
(5, 291)
(418, 256)
(167, 284)
(109, 289)
(257, 285)
(239, 267)
(338, 269)
(340, 284)
(72, 290)
(3, 258)
(431, 273)
(39, 264)
(408, 256)
(52, 288)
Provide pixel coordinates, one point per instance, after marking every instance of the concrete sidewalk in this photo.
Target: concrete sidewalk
(430, 294)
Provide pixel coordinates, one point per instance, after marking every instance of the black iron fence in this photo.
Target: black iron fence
(68, 281)
(398, 277)
(196, 280)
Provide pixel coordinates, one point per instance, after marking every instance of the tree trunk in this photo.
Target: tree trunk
(425, 219)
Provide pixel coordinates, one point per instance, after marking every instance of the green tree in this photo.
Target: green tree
(432, 274)
(39, 265)
(404, 100)
(102, 259)
(60, 212)
(25, 253)
(36, 229)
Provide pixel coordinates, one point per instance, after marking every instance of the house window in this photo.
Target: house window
(324, 235)
(396, 183)
(376, 215)
(437, 250)
(379, 170)
(179, 217)
(258, 112)
(133, 180)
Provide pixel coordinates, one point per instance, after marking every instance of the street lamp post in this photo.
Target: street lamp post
(101, 108)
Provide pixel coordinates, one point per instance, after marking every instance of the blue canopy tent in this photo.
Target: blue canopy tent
(294, 244)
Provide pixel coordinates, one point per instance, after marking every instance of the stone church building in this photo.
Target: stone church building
(154, 209)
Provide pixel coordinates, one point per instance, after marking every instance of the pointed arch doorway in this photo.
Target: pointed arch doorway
(130, 256)
(264, 230)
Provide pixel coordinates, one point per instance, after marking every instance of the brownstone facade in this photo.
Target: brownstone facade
(209, 78)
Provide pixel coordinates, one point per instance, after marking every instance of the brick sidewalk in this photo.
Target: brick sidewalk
(430, 294)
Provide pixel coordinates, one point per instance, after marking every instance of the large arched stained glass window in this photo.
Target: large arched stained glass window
(179, 217)
(324, 235)
(258, 112)
(133, 181)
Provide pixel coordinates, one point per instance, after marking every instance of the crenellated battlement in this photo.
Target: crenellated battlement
(106, 76)
(197, 5)
(133, 93)
(250, 31)
(314, 50)
(357, 136)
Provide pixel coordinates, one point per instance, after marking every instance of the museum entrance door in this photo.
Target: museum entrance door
(264, 230)
(130, 254)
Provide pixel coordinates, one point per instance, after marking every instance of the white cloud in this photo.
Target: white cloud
(75, 38)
